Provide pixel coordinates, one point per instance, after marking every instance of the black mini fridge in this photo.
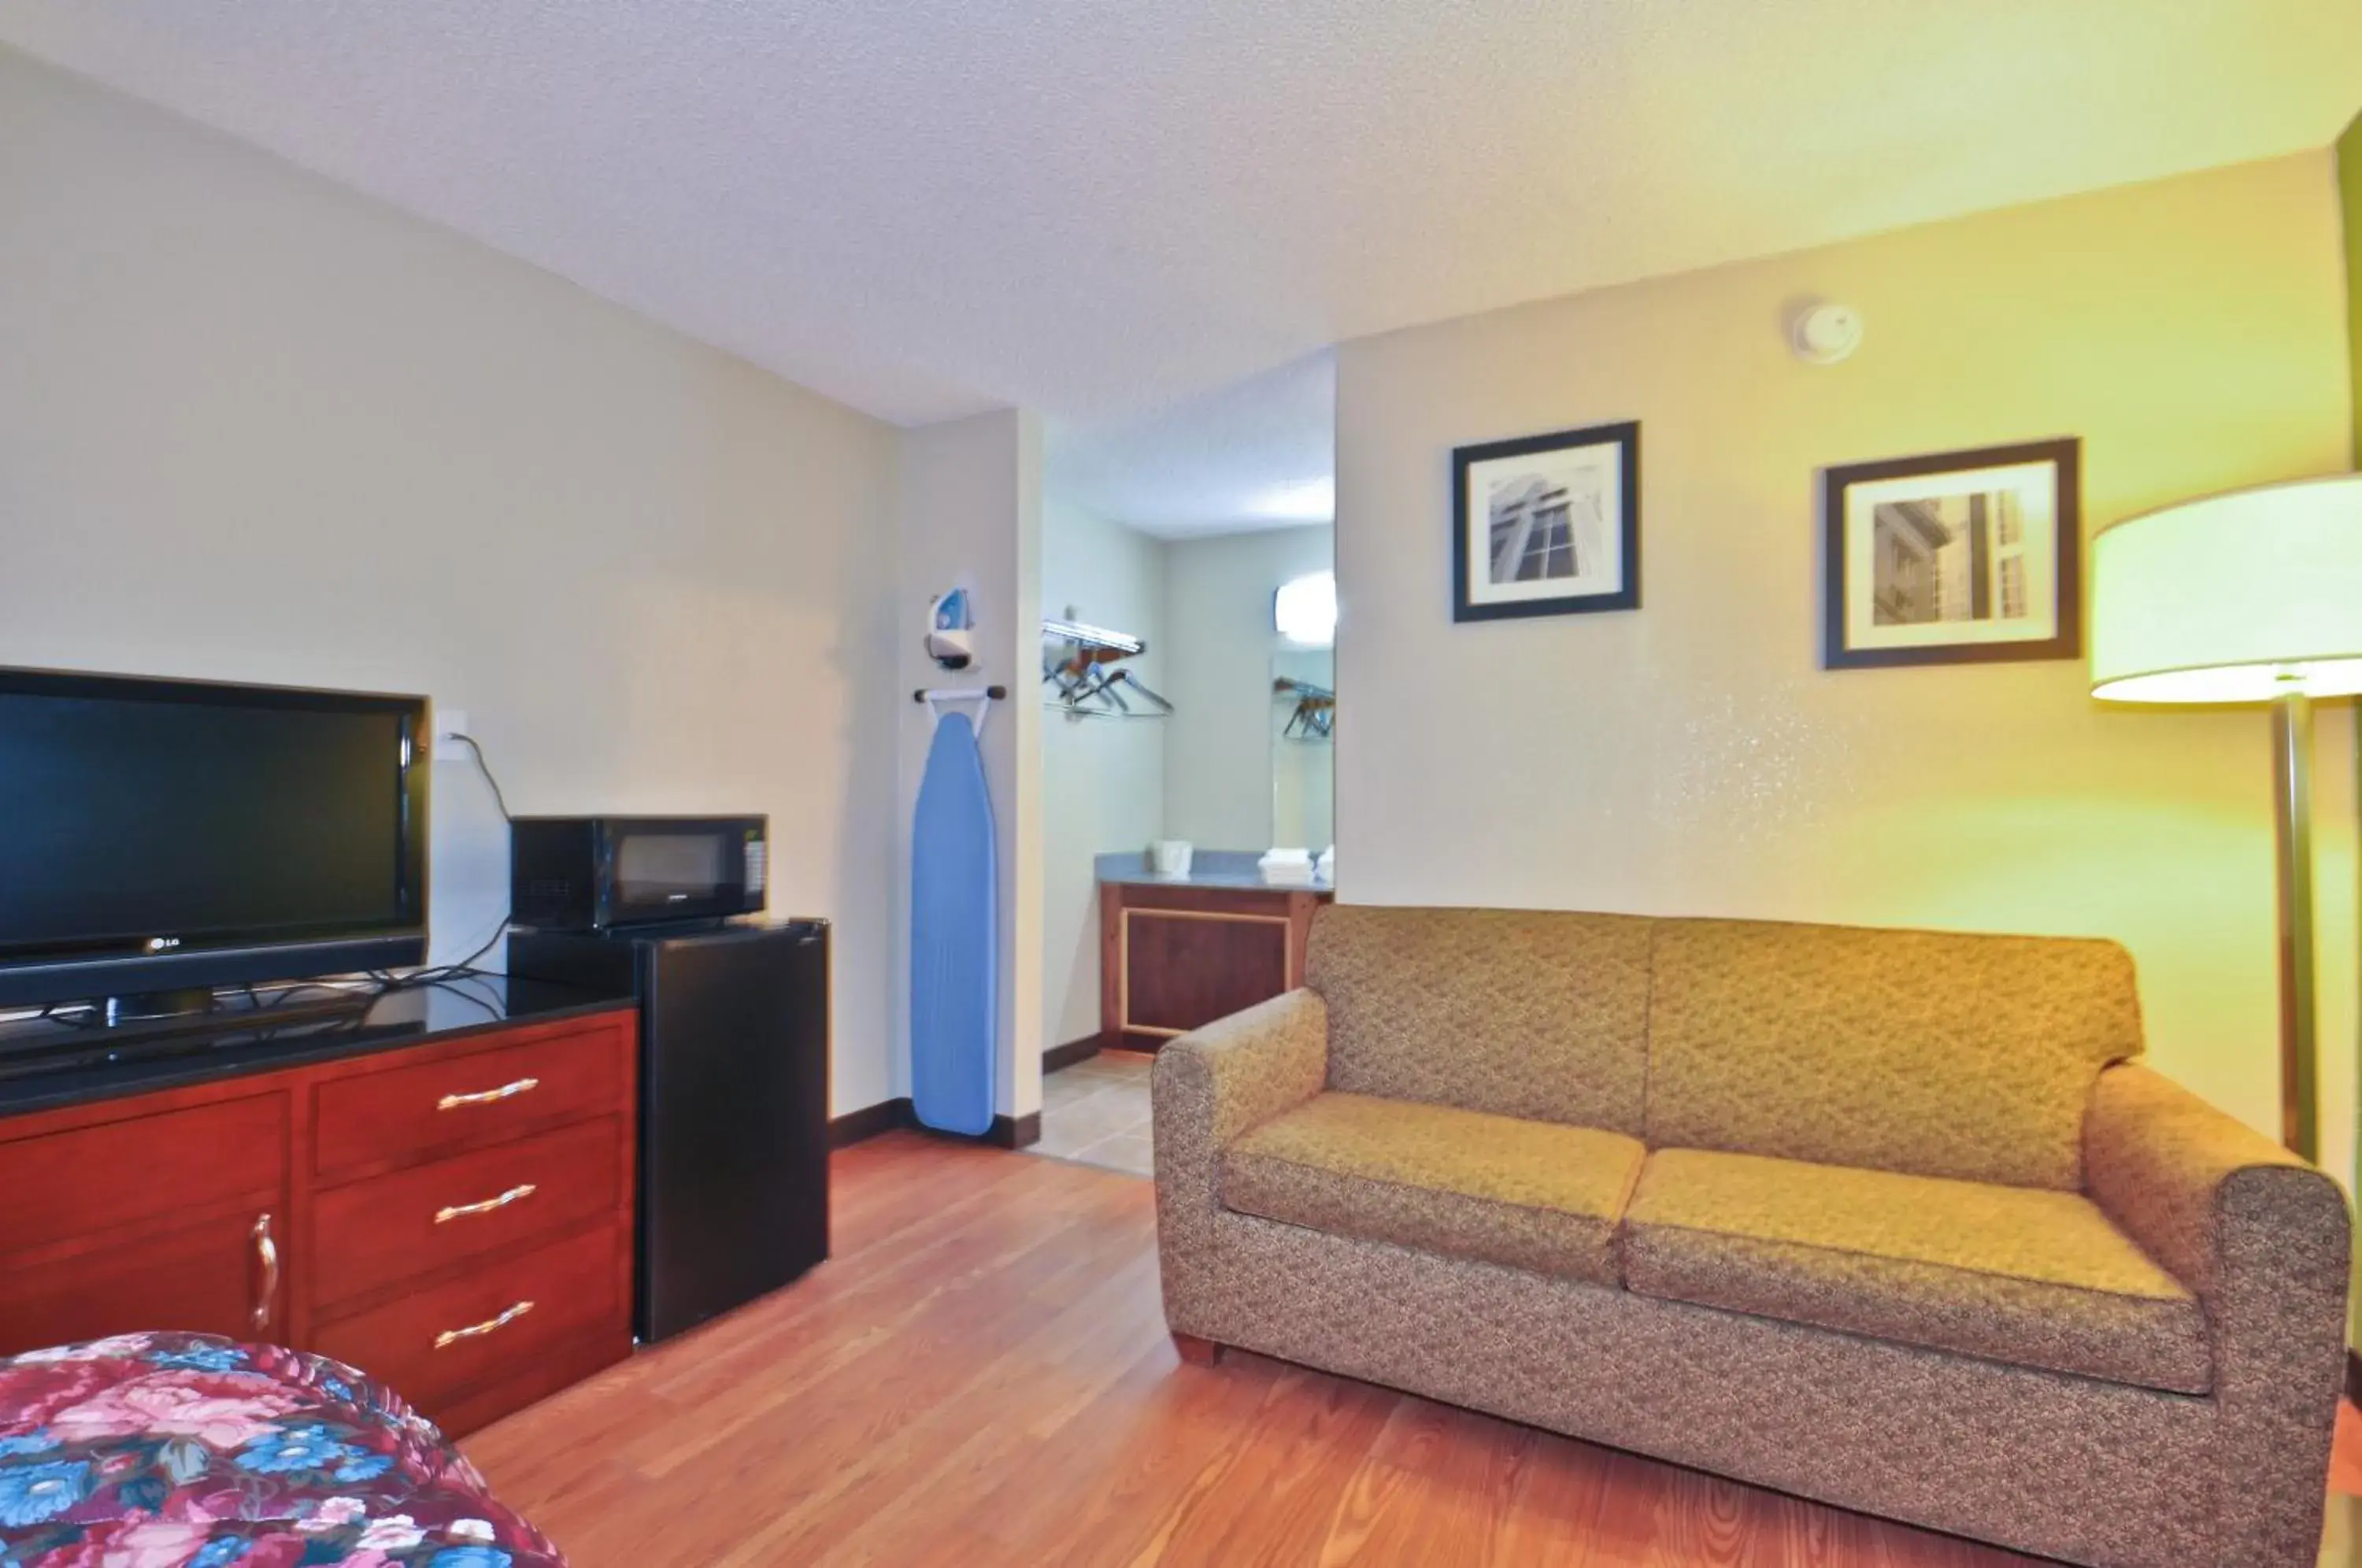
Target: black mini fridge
(734, 1104)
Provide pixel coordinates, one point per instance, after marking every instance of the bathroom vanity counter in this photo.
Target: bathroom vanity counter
(1177, 953)
(1233, 868)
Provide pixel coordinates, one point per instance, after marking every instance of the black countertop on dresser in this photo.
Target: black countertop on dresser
(105, 1064)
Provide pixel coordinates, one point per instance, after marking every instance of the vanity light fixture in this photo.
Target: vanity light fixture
(1304, 611)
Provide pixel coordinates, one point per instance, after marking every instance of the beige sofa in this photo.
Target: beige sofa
(1883, 1217)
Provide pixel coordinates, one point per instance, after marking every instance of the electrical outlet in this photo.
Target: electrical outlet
(449, 721)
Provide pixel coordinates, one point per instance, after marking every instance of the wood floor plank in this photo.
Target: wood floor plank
(1555, 1504)
(1276, 1498)
(980, 1377)
(940, 1456)
(1166, 1471)
(1420, 1494)
(2346, 1459)
(1099, 1490)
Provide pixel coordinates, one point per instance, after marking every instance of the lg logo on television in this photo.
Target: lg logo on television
(162, 944)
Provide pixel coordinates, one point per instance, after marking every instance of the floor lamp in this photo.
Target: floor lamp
(2254, 597)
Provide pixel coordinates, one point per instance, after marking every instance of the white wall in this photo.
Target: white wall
(1102, 779)
(1691, 758)
(1218, 778)
(970, 512)
(257, 427)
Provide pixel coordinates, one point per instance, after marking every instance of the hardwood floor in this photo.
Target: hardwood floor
(981, 1376)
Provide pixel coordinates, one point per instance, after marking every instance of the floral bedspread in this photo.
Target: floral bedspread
(185, 1450)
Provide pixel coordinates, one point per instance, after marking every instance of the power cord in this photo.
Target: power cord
(489, 999)
(443, 974)
(485, 769)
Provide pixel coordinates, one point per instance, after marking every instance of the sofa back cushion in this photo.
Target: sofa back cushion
(1518, 1012)
(1930, 1053)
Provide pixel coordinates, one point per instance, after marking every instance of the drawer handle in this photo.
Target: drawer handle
(487, 1096)
(450, 1337)
(461, 1211)
(266, 1252)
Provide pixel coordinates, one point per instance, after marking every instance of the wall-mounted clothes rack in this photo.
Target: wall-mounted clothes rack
(1093, 637)
(1080, 664)
(935, 698)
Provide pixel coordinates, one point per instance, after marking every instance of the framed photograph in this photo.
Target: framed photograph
(1959, 558)
(1547, 524)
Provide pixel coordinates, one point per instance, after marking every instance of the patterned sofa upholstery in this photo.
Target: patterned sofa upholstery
(1888, 1219)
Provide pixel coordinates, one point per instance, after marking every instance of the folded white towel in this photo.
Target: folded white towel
(1289, 868)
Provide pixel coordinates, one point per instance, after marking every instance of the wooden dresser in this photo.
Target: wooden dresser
(1176, 955)
(453, 1216)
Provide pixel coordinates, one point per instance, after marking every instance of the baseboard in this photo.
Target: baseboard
(1072, 1051)
(886, 1116)
(893, 1115)
(1016, 1133)
(2354, 1375)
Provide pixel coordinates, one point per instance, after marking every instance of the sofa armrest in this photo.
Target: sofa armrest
(1206, 1090)
(1224, 1080)
(2262, 1239)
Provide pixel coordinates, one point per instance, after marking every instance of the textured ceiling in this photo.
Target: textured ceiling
(1260, 453)
(1103, 208)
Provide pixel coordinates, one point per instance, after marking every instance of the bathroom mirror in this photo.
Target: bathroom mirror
(1303, 750)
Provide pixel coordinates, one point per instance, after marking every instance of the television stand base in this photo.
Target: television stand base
(70, 1041)
(144, 1007)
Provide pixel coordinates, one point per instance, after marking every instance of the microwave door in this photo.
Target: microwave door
(674, 872)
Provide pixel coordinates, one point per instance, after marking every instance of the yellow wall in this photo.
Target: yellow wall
(2349, 182)
(1691, 758)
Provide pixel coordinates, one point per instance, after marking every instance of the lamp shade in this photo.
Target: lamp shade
(2237, 598)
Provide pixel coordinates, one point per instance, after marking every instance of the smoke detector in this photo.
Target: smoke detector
(1824, 333)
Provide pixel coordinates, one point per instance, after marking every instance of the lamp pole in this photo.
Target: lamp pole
(2293, 837)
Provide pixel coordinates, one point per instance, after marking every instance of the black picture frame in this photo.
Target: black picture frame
(1466, 602)
(2064, 454)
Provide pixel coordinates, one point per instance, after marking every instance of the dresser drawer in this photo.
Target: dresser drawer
(434, 1346)
(404, 1115)
(142, 1170)
(371, 1233)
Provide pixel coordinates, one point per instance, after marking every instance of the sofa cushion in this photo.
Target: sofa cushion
(1530, 1194)
(2017, 1275)
(1933, 1053)
(1519, 1012)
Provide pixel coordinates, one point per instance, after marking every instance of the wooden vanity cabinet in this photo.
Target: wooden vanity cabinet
(1173, 958)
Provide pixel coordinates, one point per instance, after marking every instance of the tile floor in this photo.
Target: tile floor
(1096, 1112)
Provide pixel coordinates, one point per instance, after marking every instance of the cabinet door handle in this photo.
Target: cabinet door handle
(461, 1211)
(486, 1097)
(266, 1252)
(450, 1337)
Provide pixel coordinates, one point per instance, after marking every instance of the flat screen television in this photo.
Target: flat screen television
(161, 839)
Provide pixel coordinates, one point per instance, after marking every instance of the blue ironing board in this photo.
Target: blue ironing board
(955, 999)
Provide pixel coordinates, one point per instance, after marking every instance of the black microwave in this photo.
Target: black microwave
(604, 873)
